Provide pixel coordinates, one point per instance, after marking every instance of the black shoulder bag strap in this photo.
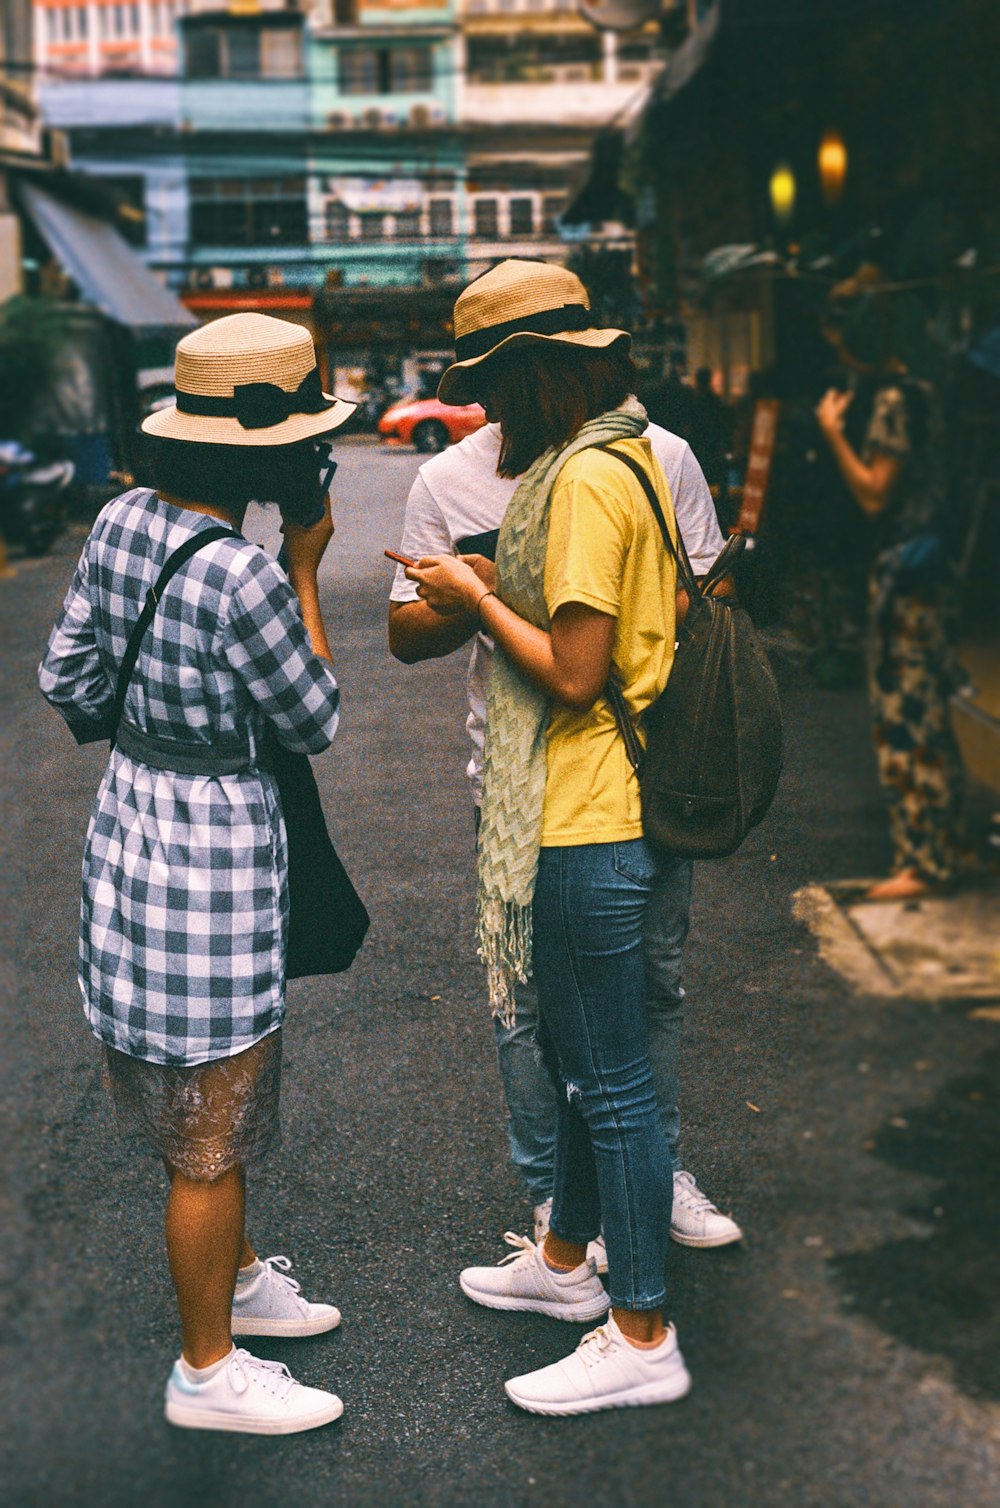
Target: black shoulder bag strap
(173, 564)
(612, 690)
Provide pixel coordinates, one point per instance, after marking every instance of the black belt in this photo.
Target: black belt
(184, 757)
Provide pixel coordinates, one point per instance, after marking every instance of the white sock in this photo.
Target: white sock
(203, 1374)
(247, 1274)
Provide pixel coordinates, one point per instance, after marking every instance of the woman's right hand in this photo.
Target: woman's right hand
(306, 547)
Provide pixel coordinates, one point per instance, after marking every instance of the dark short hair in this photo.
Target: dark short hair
(228, 476)
(543, 394)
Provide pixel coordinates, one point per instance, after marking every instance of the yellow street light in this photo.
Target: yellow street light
(782, 189)
(832, 162)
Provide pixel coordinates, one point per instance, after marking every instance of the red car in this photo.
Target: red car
(428, 423)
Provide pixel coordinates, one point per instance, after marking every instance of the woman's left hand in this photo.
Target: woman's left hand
(447, 584)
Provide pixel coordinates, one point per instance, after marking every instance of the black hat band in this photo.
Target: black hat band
(259, 405)
(548, 322)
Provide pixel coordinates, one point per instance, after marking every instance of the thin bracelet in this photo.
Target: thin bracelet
(479, 604)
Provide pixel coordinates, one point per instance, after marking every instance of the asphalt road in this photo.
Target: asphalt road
(846, 1354)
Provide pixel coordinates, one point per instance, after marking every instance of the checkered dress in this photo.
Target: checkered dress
(185, 903)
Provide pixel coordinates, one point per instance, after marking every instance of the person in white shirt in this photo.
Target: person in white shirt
(455, 507)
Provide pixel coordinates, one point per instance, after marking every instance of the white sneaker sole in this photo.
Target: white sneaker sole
(704, 1243)
(577, 1314)
(289, 1329)
(186, 1417)
(668, 1391)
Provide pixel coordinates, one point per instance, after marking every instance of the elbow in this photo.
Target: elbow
(401, 645)
(401, 650)
(578, 695)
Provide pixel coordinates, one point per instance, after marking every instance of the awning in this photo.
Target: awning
(106, 270)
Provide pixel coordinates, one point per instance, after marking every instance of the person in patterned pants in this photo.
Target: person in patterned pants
(896, 476)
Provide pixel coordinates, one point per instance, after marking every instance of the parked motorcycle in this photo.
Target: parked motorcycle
(31, 497)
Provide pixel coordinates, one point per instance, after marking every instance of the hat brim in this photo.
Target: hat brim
(457, 385)
(171, 424)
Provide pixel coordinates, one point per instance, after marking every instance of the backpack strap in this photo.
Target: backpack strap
(173, 564)
(679, 551)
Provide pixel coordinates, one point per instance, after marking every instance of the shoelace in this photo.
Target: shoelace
(687, 1192)
(272, 1264)
(523, 1245)
(242, 1363)
(595, 1346)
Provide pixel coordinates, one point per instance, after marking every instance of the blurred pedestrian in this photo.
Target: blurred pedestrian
(709, 431)
(185, 907)
(456, 506)
(897, 478)
(669, 401)
(582, 582)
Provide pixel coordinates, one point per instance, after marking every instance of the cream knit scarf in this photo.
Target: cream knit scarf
(517, 722)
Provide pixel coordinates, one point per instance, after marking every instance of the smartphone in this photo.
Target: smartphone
(403, 559)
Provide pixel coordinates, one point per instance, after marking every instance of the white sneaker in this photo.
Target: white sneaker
(524, 1280)
(248, 1396)
(596, 1249)
(604, 1372)
(271, 1304)
(695, 1221)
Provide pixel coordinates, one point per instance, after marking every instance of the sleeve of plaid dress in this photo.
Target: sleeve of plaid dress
(266, 643)
(71, 676)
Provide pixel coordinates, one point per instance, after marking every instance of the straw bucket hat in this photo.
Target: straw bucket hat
(518, 303)
(248, 379)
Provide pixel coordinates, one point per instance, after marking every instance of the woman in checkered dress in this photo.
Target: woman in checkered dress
(185, 899)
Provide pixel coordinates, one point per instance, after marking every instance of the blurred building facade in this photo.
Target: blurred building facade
(328, 160)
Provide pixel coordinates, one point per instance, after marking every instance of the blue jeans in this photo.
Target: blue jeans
(531, 1095)
(612, 1157)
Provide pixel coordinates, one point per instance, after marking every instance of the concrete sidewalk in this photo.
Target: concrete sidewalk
(941, 948)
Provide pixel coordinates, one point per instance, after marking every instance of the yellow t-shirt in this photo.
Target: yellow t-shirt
(606, 551)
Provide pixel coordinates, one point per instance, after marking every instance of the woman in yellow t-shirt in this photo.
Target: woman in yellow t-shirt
(583, 588)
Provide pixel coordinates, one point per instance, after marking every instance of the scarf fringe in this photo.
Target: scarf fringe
(505, 948)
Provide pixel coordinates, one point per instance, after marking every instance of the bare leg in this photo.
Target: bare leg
(205, 1246)
(562, 1255)
(641, 1327)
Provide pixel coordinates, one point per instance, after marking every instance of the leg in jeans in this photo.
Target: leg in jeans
(665, 930)
(532, 1099)
(611, 1151)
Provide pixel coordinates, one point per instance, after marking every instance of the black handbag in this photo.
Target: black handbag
(327, 918)
(712, 759)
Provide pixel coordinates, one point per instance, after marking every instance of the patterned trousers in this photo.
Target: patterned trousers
(910, 678)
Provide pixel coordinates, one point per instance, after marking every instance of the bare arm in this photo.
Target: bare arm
(305, 549)
(570, 663)
(871, 486)
(418, 631)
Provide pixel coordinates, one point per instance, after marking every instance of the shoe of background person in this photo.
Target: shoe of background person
(695, 1221)
(596, 1249)
(604, 1372)
(524, 1280)
(247, 1396)
(598, 1253)
(271, 1304)
(543, 1214)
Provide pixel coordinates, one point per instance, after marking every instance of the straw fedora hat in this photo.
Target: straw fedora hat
(518, 303)
(248, 379)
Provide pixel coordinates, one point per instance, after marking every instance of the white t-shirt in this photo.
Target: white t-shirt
(457, 494)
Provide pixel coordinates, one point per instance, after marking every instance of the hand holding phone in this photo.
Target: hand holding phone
(403, 560)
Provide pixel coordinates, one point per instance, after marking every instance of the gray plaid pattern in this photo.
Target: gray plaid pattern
(184, 906)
